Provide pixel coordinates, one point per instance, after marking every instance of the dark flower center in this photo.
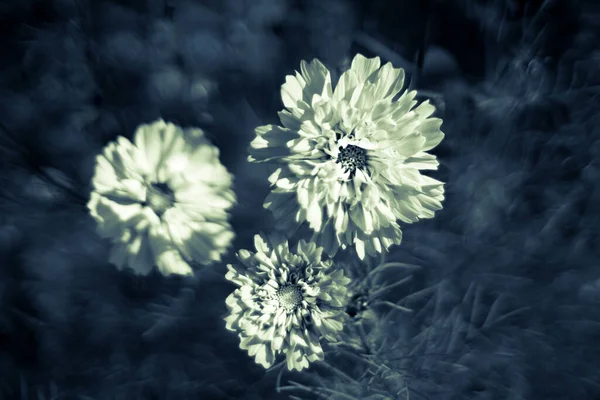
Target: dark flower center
(159, 197)
(352, 157)
(289, 297)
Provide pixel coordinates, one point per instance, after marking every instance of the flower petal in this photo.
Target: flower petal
(363, 67)
(351, 198)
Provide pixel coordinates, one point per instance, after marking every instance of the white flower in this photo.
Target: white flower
(162, 200)
(350, 159)
(286, 301)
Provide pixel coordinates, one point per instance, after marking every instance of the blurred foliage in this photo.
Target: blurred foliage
(505, 297)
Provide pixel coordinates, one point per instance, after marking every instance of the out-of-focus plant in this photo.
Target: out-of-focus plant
(163, 200)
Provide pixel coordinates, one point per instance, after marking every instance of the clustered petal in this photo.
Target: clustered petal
(286, 301)
(350, 159)
(162, 200)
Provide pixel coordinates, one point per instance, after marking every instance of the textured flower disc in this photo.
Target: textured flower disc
(162, 200)
(286, 301)
(350, 158)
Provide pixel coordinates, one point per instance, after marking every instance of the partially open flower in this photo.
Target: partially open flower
(286, 301)
(350, 158)
(162, 200)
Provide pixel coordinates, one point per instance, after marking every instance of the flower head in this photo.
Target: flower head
(162, 200)
(350, 158)
(286, 301)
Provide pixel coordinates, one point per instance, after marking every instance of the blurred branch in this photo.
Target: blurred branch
(394, 306)
(384, 266)
(381, 290)
(40, 171)
(429, 10)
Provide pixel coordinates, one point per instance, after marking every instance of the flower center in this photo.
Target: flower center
(159, 197)
(289, 297)
(352, 157)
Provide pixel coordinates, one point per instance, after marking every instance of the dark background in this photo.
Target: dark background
(507, 299)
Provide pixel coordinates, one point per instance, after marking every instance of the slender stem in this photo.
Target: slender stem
(382, 257)
(395, 306)
(275, 366)
(364, 337)
(337, 371)
(421, 293)
(379, 292)
(423, 47)
(42, 172)
(278, 380)
(360, 358)
(384, 266)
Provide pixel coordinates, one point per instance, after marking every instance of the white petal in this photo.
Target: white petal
(271, 143)
(261, 243)
(173, 145)
(168, 258)
(289, 121)
(345, 86)
(409, 145)
(341, 218)
(141, 258)
(389, 81)
(264, 356)
(317, 78)
(360, 248)
(363, 67)
(422, 160)
(148, 139)
(291, 91)
(430, 129)
(315, 215)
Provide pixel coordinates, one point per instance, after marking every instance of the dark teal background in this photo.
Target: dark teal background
(516, 83)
